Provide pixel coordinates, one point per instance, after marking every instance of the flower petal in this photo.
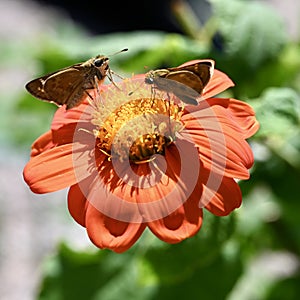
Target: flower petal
(41, 144)
(221, 195)
(217, 84)
(106, 232)
(63, 117)
(221, 145)
(148, 191)
(183, 223)
(73, 125)
(175, 185)
(186, 220)
(64, 135)
(239, 112)
(53, 169)
(50, 171)
(77, 202)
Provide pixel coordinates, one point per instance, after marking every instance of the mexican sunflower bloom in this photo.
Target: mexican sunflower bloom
(138, 157)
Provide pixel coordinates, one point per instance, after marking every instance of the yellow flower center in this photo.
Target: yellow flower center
(137, 128)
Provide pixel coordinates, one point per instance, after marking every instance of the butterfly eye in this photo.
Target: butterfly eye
(100, 61)
(149, 80)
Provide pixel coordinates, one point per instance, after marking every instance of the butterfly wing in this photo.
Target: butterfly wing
(187, 78)
(61, 87)
(65, 87)
(195, 75)
(36, 87)
(180, 90)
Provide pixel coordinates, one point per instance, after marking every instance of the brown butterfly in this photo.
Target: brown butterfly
(186, 82)
(70, 85)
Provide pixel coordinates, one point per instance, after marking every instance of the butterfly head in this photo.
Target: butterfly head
(149, 78)
(151, 75)
(101, 62)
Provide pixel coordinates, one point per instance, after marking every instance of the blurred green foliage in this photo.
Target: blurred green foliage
(257, 54)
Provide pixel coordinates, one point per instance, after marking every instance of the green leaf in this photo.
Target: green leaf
(281, 71)
(154, 270)
(77, 275)
(252, 30)
(288, 289)
(157, 50)
(278, 111)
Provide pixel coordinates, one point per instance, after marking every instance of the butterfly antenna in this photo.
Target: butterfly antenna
(132, 92)
(118, 52)
(111, 72)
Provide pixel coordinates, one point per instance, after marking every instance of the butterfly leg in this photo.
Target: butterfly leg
(167, 105)
(118, 75)
(96, 86)
(109, 76)
(152, 94)
(90, 99)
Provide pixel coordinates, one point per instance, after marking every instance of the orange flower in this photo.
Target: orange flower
(134, 160)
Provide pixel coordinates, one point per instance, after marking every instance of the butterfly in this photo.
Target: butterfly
(185, 82)
(70, 85)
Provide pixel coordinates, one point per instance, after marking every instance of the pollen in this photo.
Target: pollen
(138, 128)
